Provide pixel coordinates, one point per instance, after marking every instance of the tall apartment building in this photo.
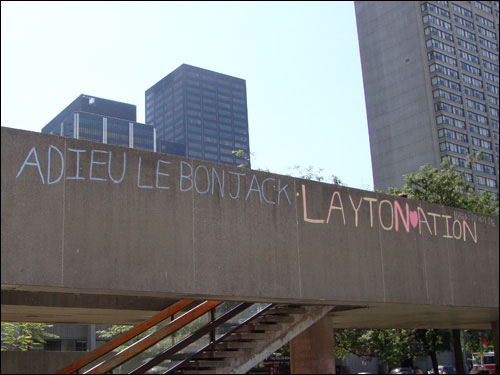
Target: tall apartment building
(102, 120)
(431, 81)
(200, 114)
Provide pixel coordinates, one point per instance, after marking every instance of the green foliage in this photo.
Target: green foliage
(284, 351)
(20, 336)
(242, 155)
(474, 341)
(444, 186)
(447, 187)
(109, 333)
(309, 173)
(391, 346)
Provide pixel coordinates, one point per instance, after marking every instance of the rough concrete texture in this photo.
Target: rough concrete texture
(275, 339)
(37, 362)
(311, 352)
(171, 227)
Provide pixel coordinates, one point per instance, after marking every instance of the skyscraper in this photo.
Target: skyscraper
(102, 120)
(99, 120)
(431, 78)
(201, 114)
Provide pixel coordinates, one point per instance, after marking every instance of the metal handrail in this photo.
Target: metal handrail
(209, 328)
(146, 342)
(120, 340)
(212, 344)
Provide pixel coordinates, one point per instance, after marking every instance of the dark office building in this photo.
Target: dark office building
(200, 114)
(102, 120)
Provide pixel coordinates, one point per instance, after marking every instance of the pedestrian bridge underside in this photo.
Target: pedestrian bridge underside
(99, 234)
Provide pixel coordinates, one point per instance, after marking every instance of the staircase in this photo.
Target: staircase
(208, 337)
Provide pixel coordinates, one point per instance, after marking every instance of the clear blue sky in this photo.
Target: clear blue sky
(300, 61)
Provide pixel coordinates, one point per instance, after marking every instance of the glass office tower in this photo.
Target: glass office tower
(102, 120)
(200, 114)
(431, 78)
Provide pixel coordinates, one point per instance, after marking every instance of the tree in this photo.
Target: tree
(446, 186)
(309, 173)
(391, 346)
(22, 336)
(242, 155)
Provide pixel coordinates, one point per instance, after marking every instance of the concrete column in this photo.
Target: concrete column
(494, 333)
(91, 338)
(311, 352)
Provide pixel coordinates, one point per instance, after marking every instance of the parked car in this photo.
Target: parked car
(446, 369)
(402, 370)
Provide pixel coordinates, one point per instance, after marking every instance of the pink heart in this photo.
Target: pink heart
(414, 218)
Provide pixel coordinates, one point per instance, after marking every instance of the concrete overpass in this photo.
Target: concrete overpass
(99, 234)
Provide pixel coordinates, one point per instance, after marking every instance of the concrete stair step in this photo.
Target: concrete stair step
(204, 363)
(286, 310)
(262, 327)
(276, 319)
(221, 354)
(235, 345)
(196, 371)
(246, 336)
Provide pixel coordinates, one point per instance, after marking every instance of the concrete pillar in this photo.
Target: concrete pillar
(494, 333)
(311, 352)
(91, 338)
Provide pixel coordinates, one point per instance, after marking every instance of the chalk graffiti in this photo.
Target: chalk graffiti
(386, 214)
(391, 217)
(202, 179)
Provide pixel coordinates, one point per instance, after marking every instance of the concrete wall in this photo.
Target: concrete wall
(403, 135)
(181, 227)
(37, 362)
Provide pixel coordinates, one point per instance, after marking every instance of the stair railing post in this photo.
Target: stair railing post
(212, 331)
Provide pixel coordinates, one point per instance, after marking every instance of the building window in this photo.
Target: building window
(447, 95)
(462, 11)
(463, 22)
(470, 68)
(472, 81)
(90, 127)
(479, 130)
(490, 66)
(484, 168)
(442, 69)
(468, 45)
(438, 33)
(475, 105)
(485, 21)
(475, 93)
(449, 146)
(493, 100)
(437, 21)
(490, 55)
(448, 108)
(477, 117)
(452, 134)
(491, 77)
(467, 56)
(465, 33)
(450, 121)
(481, 143)
(489, 44)
(486, 32)
(482, 6)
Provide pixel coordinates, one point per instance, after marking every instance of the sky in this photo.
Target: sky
(300, 61)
